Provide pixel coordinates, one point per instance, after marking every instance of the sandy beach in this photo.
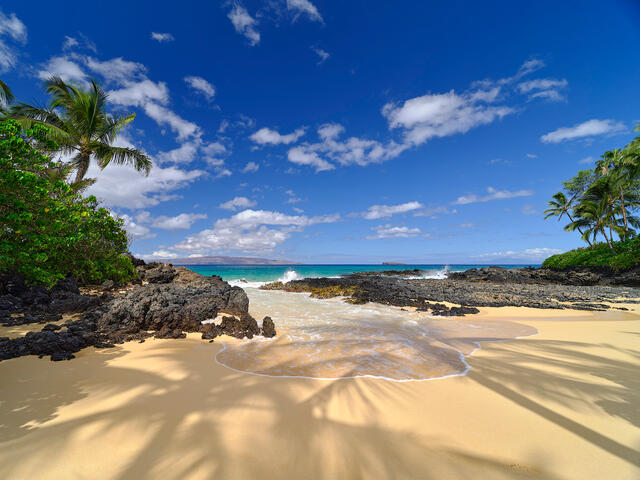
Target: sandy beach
(562, 404)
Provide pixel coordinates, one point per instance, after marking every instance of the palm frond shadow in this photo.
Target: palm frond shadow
(182, 420)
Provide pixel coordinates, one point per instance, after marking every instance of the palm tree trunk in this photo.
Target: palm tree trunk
(82, 167)
(604, 232)
(624, 210)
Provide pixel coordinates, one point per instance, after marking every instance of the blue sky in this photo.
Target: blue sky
(356, 131)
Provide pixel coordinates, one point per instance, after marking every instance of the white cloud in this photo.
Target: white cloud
(433, 212)
(64, 68)
(531, 155)
(492, 194)
(250, 167)
(250, 231)
(139, 94)
(532, 254)
(440, 115)
(530, 66)
(352, 151)
(529, 210)
(121, 71)
(589, 128)
(541, 84)
(135, 230)
(162, 37)
(389, 231)
(182, 221)
(323, 54)
(238, 203)
(304, 7)
(244, 23)
(202, 86)
(13, 28)
(267, 136)
(120, 186)
(383, 211)
(587, 161)
(293, 198)
(164, 116)
(185, 153)
(69, 42)
(467, 225)
(300, 156)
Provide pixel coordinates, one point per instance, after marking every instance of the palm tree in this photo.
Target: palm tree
(559, 206)
(78, 122)
(6, 96)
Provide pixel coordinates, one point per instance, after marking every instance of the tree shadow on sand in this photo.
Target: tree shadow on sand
(186, 416)
(530, 370)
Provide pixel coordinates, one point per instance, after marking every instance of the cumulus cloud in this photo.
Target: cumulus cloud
(323, 54)
(237, 203)
(268, 136)
(433, 212)
(244, 23)
(182, 221)
(382, 211)
(162, 37)
(135, 229)
(12, 28)
(590, 128)
(439, 115)
(64, 68)
(201, 86)
(389, 231)
(250, 231)
(250, 167)
(352, 151)
(306, 8)
(164, 116)
(119, 186)
(492, 194)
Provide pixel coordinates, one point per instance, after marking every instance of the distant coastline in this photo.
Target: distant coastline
(221, 260)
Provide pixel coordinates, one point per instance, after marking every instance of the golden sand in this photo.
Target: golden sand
(562, 404)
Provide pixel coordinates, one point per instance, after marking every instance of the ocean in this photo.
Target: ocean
(270, 273)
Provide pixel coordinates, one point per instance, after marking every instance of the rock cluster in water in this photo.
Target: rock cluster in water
(489, 287)
(170, 302)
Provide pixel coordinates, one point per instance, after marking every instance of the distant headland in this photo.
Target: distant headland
(393, 263)
(221, 260)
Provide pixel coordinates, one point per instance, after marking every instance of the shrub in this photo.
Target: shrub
(627, 255)
(47, 231)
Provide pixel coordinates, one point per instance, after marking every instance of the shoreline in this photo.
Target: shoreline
(160, 408)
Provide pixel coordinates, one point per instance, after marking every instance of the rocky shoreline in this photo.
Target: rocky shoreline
(166, 302)
(487, 287)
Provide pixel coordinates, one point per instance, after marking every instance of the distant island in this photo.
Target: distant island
(393, 263)
(220, 260)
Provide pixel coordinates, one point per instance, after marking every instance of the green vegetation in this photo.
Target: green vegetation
(47, 229)
(627, 255)
(77, 121)
(602, 203)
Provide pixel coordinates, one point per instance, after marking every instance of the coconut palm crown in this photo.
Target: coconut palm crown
(79, 123)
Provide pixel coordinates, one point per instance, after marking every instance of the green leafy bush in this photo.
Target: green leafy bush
(46, 230)
(627, 255)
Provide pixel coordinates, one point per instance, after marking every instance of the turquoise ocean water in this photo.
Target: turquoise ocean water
(271, 273)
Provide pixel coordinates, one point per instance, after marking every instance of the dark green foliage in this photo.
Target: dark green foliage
(627, 255)
(48, 231)
(602, 203)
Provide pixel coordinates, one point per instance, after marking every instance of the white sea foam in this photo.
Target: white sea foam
(332, 339)
(289, 275)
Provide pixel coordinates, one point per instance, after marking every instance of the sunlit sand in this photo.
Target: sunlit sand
(560, 404)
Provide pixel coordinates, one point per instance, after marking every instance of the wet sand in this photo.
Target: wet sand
(561, 404)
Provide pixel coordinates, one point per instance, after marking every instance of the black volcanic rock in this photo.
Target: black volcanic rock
(175, 302)
(268, 327)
